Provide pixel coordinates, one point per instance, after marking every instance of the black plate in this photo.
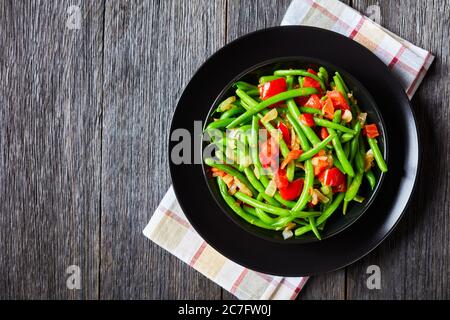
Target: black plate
(337, 222)
(290, 259)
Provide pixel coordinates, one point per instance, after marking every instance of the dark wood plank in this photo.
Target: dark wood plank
(50, 149)
(152, 48)
(414, 261)
(244, 17)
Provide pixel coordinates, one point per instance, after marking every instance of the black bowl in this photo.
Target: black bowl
(337, 222)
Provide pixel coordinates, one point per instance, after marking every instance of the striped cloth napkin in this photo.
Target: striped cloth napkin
(170, 229)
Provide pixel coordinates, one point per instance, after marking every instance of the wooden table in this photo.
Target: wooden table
(84, 120)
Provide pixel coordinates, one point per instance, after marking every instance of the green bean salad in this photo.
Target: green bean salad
(291, 150)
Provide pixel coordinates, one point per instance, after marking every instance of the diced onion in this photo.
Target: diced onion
(368, 160)
(232, 190)
(287, 234)
(347, 116)
(362, 118)
(242, 187)
(228, 179)
(256, 172)
(226, 104)
(271, 115)
(271, 188)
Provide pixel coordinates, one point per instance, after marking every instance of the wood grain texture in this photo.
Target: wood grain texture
(50, 149)
(152, 48)
(84, 120)
(414, 261)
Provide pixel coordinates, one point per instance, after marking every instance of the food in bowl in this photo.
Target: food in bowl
(292, 150)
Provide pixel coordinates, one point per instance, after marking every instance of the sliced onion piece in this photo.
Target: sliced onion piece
(271, 188)
(287, 234)
(269, 116)
(227, 104)
(368, 160)
(362, 118)
(347, 116)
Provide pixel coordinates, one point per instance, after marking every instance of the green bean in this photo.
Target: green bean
(290, 170)
(242, 151)
(310, 110)
(304, 143)
(220, 123)
(302, 73)
(359, 161)
(286, 203)
(346, 148)
(333, 125)
(254, 144)
(371, 178)
(323, 74)
(283, 221)
(346, 166)
(337, 116)
(312, 223)
(295, 113)
(325, 215)
(359, 199)
(354, 142)
(320, 146)
(338, 164)
(353, 188)
(253, 92)
(245, 86)
(377, 154)
(346, 137)
(338, 75)
(231, 171)
(308, 184)
(233, 111)
(265, 79)
(263, 206)
(246, 99)
(340, 87)
(259, 187)
(272, 100)
(264, 217)
(237, 209)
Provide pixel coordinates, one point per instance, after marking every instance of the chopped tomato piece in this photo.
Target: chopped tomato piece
(271, 88)
(307, 119)
(268, 153)
(285, 132)
(332, 177)
(311, 83)
(324, 133)
(328, 109)
(320, 162)
(293, 154)
(338, 100)
(340, 188)
(311, 71)
(301, 101)
(280, 179)
(217, 172)
(371, 130)
(314, 102)
(292, 190)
